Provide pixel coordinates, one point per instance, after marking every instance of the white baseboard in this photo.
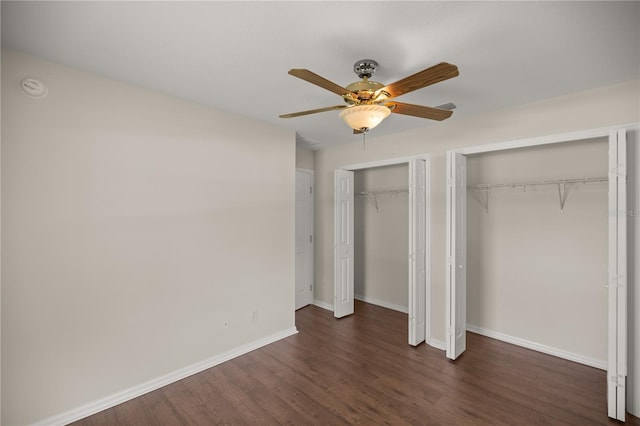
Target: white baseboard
(136, 391)
(438, 344)
(323, 305)
(560, 353)
(381, 303)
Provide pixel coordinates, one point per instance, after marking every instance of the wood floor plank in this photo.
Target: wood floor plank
(360, 370)
(105, 417)
(131, 413)
(212, 396)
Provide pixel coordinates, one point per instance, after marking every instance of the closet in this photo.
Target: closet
(378, 262)
(381, 222)
(537, 241)
(550, 257)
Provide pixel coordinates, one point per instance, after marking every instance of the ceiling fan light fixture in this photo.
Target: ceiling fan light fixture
(364, 116)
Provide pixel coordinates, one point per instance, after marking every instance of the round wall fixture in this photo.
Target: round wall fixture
(33, 88)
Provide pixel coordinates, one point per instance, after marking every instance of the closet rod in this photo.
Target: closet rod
(486, 188)
(373, 195)
(490, 186)
(383, 192)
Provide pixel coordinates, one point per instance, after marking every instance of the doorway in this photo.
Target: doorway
(456, 247)
(304, 238)
(537, 248)
(418, 254)
(381, 228)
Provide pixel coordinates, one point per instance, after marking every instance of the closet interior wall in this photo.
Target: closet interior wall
(381, 222)
(537, 273)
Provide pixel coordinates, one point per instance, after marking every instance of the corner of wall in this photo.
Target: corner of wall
(304, 158)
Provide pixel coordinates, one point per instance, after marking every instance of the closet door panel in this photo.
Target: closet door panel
(617, 294)
(456, 293)
(344, 244)
(417, 251)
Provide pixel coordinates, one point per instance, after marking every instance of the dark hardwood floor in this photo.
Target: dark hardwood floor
(360, 370)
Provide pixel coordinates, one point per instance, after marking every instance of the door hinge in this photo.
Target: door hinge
(311, 190)
(618, 380)
(310, 238)
(619, 170)
(615, 282)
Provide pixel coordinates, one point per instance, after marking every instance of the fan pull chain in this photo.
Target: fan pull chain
(364, 131)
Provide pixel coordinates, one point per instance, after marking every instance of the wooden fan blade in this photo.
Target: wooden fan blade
(314, 78)
(419, 111)
(442, 71)
(312, 111)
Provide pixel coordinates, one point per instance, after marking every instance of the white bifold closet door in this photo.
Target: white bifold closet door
(617, 291)
(344, 244)
(456, 294)
(417, 251)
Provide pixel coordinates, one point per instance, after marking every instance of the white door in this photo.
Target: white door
(617, 292)
(456, 285)
(417, 250)
(343, 250)
(304, 238)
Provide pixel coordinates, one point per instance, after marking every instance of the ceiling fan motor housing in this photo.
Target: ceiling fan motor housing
(365, 68)
(364, 92)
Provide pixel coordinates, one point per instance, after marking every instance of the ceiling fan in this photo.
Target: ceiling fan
(368, 102)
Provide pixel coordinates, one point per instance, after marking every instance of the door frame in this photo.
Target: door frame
(617, 316)
(426, 226)
(310, 221)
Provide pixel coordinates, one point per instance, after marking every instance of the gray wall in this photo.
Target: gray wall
(134, 226)
(534, 272)
(304, 158)
(382, 237)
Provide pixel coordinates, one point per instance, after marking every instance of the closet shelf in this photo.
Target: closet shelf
(524, 185)
(374, 194)
(486, 188)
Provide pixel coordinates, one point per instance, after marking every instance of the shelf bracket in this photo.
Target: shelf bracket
(482, 197)
(485, 201)
(562, 195)
(374, 201)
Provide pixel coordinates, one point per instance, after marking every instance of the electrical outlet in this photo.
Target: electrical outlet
(225, 323)
(254, 316)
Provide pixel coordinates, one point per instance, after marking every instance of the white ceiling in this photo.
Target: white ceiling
(234, 56)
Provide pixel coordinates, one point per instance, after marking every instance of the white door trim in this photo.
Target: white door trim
(601, 132)
(427, 228)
